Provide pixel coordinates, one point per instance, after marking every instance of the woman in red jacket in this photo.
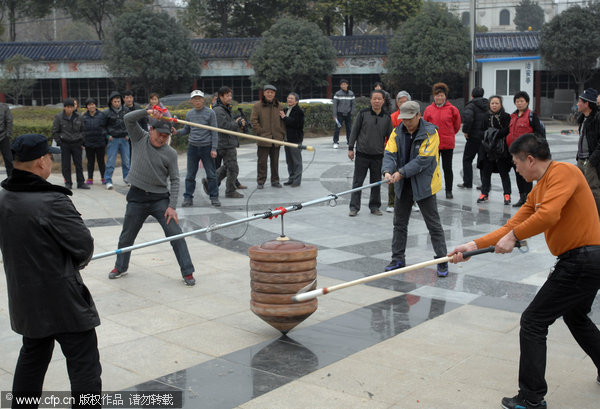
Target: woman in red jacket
(522, 122)
(447, 118)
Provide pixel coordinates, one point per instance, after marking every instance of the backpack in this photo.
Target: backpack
(542, 126)
(493, 145)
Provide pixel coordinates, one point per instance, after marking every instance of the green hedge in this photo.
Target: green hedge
(318, 119)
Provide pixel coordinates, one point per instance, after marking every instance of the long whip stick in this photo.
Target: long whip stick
(305, 296)
(240, 134)
(269, 214)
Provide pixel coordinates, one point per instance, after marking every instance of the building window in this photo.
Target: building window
(465, 17)
(508, 82)
(505, 18)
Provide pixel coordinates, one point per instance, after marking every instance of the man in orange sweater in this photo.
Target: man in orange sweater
(561, 205)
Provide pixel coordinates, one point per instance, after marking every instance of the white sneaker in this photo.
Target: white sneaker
(415, 208)
(335, 146)
(109, 186)
(389, 209)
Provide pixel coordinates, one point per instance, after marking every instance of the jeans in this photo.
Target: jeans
(293, 158)
(140, 205)
(120, 145)
(343, 119)
(6, 155)
(83, 364)
(195, 154)
(569, 293)
(95, 155)
(402, 209)
(229, 169)
(446, 160)
(68, 151)
(471, 150)
(362, 164)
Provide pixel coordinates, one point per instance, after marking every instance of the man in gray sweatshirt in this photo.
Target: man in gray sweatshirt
(202, 146)
(154, 178)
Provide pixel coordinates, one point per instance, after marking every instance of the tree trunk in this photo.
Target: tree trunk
(12, 18)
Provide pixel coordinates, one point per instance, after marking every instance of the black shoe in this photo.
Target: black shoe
(69, 185)
(234, 195)
(276, 184)
(189, 280)
(205, 185)
(353, 213)
(215, 202)
(517, 402)
(442, 270)
(260, 186)
(463, 186)
(114, 273)
(289, 182)
(395, 264)
(83, 186)
(187, 203)
(449, 195)
(478, 187)
(520, 203)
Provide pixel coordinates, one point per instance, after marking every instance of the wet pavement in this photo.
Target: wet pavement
(408, 341)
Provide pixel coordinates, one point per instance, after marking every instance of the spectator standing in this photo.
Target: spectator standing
(561, 206)
(267, 122)
(95, 139)
(228, 144)
(44, 244)
(446, 117)
(411, 163)
(6, 127)
(371, 128)
(343, 108)
(401, 98)
(154, 190)
(522, 121)
(155, 101)
(293, 118)
(588, 150)
(494, 156)
(475, 118)
(202, 146)
(131, 105)
(68, 130)
(118, 140)
(387, 105)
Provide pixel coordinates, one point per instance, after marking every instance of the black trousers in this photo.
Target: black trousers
(68, 151)
(569, 293)
(523, 185)
(293, 158)
(6, 155)
(471, 150)
(95, 155)
(446, 159)
(83, 365)
(362, 165)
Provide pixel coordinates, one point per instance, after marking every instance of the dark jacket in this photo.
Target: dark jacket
(502, 162)
(115, 125)
(343, 102)
(95, 129)
(475, 116)
(6, 122)
(370, 131)
(44, 244)
(225, 120)
(68, 130)
(294, 124)
(592, 132)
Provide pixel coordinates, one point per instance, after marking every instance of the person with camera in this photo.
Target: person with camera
(228, 144)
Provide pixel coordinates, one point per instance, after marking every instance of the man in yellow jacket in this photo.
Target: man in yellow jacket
(411, 162)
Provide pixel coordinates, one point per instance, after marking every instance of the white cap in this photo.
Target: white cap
(196, 93)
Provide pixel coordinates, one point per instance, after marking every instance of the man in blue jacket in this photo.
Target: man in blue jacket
(411, 162)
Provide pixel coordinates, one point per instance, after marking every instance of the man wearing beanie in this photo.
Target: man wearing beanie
(588, 153)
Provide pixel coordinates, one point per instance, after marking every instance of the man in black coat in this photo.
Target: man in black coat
(293, 118)
(475, 117)
(588, 149)
(44, 244)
